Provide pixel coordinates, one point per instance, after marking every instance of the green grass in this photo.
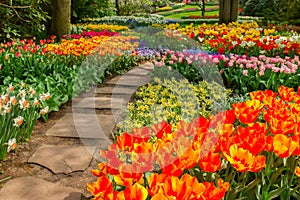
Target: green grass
(193, 6)
(185, 14)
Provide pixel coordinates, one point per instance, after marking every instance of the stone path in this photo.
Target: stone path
(91, 122)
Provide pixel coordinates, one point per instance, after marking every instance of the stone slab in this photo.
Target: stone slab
(147, 66)
(101, 103)
(139, 71)
(115, 90)
(31, 188)
(63, 158)
(127, 80)
(87, 126)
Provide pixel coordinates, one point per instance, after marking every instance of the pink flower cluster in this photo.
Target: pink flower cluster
(276, 64)
(89, 34)
(169, 57)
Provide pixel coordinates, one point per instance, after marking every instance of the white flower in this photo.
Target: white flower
(18, 121)
(12, 144)
(45, 96)
(44, 110)
(234, 43)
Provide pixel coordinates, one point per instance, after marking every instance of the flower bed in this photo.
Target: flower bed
(54, 69)
(244, 38)
(173, 100)
(200, 17)
(254, 147)
(240, 73)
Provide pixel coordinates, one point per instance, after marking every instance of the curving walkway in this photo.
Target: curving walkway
(84, 131)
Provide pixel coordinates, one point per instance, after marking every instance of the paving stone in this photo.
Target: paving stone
(147, 66)
(127, 80)
(115, 90)
(31, 188)
(102, 103)
(63, 158)
(139, 71)
(87, 126)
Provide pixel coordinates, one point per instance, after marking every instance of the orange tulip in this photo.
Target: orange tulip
(155, 182)
(161, 196)
(129, 174)
(263, 96)
(211, 162)
(101, 187)
(252, 138)
(126, 141)
(214, 193)
(258, 164)
(280, 126)
(197, 188)
(242, 160)
(135, 192)
(284, 145)
(162, 129)
(286, 93)
(247, 112)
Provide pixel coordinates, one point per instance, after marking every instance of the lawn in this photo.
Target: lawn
(179, 15)
(185, 14)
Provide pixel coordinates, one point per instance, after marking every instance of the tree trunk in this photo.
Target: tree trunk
(234, 11)
(61, 22)
(117, 7)
(228, 11)
(203, 8)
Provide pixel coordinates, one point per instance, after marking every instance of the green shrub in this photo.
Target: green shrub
(23, 18)
(91, 9)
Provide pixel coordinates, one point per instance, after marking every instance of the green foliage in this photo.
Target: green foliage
(273, 10)
(129, 7)
(23, 18)
(91, 9)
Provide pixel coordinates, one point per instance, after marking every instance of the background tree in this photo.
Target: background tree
(91, 9)
(23, 18)
(61, 18)
(228, 11)
(117, 7)
(274, 10)
(129, 7)
(201, 5)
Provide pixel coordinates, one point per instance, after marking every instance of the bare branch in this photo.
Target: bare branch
(4, 5)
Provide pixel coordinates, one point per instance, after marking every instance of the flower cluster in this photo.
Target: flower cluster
(129, 20)
(89, 34)
(171, 101)
(103, 27)
(20, 107)
(256, 73)
(254, 135)
(244, 38)
(200, 17)
(77, 47)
